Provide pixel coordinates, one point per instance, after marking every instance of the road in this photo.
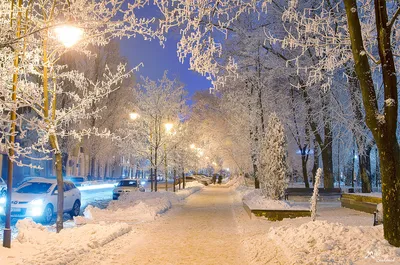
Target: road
(96, 197)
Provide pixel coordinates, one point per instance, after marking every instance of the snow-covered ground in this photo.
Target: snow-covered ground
(137, 206)
(255, 200)
(37, 244)
(211, 227)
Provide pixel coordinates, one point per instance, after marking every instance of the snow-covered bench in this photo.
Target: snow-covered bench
(307, 192)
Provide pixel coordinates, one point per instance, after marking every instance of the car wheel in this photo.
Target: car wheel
(47, 214)
(76, 209)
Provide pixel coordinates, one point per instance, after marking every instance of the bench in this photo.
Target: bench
(308, 192)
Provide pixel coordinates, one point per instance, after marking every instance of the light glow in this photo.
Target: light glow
(193, 146)
(68, 35)
(3, 200)
(37, 211)
(168, 126)
(37, 202)
(133, 115)
(97, 187)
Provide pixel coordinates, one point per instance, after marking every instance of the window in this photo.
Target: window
(34, 187)
(69, 186)
(130, 183)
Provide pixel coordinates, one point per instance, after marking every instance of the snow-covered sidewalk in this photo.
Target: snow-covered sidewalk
(203, 231)
(209, 227)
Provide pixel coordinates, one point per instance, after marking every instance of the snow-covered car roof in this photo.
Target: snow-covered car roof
(43, 180)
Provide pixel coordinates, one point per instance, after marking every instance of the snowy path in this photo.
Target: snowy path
(203, 231)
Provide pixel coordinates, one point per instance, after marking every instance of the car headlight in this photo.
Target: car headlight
(143, 183)
(37, 202)
(3, 200)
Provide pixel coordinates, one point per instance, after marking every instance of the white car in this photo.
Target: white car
(3, 188)
(37, 198)
(126, 185)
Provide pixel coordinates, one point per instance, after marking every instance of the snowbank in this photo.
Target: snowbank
(235, 182)
(255, 200)
(372, 194)
(46, 248)
(137, 206)
(321, 242)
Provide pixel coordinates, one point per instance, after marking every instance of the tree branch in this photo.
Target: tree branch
(391, 22)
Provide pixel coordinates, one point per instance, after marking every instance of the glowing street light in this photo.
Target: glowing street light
(168, 126)
(192, 146)
(68, 35)
(133, 115)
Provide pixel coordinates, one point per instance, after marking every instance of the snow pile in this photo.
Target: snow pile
(137, 206)
(321, 242)
(242, 191)
(66, 245)
(255, 200)
(235, 182)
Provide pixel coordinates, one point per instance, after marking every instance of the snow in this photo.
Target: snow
(314, 197)
(321, 242)
(210, 228)
(372, 194)
(39, 246)
(138, 206)
(256, 200)
(390, 102)
(36, 244)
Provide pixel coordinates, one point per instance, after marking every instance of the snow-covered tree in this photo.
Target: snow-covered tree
(274, 169)
(156, 103)
(30, 39)
(314, 197)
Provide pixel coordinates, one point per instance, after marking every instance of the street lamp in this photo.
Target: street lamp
(192, 146)
(68, 35)
(168, 126)
(133, 115)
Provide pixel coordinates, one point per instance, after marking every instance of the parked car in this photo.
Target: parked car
(78, 181)
(127, 185)
(3, 187)
(190, 178)
(203, 179)
(37, 198)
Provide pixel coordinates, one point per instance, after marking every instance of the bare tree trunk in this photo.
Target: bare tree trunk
(183, 178)
(304, 160)
(364, 163)
(352, 166)
(327, 165)
(174, 179)
(383, 126)
(60, 183)
(315, 163)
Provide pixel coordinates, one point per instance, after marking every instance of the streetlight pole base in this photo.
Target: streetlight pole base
(7, 238)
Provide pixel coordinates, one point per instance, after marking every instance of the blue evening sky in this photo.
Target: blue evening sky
(156, 59)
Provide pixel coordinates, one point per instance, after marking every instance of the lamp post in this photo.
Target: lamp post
(74, 34)
(13, 117)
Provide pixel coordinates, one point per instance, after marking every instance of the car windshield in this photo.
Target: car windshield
(130, 183)
(34, 187)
